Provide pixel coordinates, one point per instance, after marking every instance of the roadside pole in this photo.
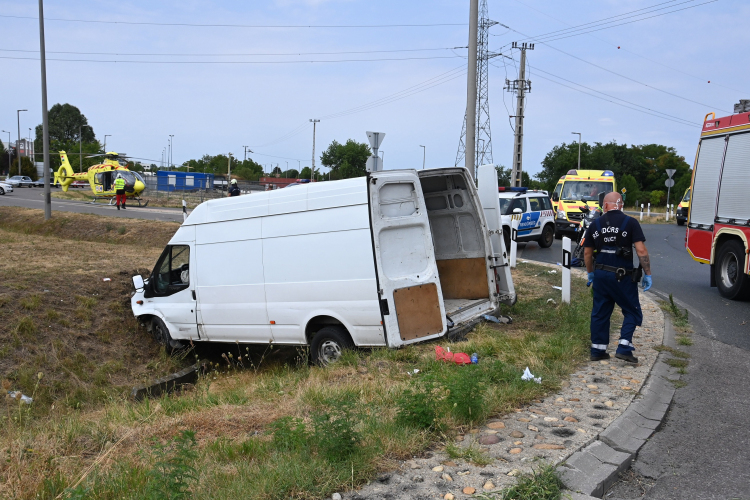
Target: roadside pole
(513, 243)
(45, 118)
(566, 270)
(641, 212)
(649, 210)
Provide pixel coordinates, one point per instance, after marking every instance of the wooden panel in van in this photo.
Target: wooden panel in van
(418, 311)
(463, 278)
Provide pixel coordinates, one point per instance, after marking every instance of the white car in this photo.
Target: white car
(533, 209)
(5, 187)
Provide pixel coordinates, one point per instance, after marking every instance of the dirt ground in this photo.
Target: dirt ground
(61, 319)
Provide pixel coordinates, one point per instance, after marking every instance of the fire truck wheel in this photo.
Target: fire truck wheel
(731, 279)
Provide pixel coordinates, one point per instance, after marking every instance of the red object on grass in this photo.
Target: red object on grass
(460, 358)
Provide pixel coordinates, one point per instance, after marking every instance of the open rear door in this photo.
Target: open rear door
(488, 197)
(411, 299)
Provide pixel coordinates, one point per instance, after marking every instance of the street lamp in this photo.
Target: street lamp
(424, 154)
(80, 151)
(170, 151)
(6, 132)
(579, 148)
(18, 144)
(105, 142)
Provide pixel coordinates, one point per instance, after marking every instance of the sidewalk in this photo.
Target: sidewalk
(552, 429)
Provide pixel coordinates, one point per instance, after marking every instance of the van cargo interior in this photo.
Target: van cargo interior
(458, 242)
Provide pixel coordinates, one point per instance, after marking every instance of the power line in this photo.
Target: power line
(629, 22)
(629, 105)
(626, 50)
(234, 54)
(125, 61)
(621, 75)
(257, 26)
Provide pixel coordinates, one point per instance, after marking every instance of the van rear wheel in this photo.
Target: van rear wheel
(731, 279)
(329, 344)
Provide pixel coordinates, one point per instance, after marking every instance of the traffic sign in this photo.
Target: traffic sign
(669, 183)
(376, 139)
(670, 172)
(624, 190)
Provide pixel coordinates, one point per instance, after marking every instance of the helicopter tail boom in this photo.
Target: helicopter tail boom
(65, 173)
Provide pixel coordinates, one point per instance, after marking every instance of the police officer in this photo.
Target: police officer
(120, 191)
(608, 253)
(234, 190)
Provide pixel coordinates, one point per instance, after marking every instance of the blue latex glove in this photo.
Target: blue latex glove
(591, 279)
(647, 281)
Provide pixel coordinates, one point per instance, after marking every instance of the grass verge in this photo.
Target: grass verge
(542, 484)
(261, 420)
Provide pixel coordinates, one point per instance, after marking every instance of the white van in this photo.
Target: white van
(397, 257)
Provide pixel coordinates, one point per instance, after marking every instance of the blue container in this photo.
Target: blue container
(183, 181)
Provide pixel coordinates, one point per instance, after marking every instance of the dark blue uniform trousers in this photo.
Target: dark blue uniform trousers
(608, 292)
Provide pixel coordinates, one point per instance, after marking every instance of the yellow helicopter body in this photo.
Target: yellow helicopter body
(101, 178)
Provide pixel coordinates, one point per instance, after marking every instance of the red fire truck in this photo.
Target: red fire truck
(719, 218)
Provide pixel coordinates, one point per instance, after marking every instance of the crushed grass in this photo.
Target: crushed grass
(262, 420)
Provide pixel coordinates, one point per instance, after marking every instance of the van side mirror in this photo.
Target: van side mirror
(517, 211)
(601, 199)
(555, 197)
(138, 282)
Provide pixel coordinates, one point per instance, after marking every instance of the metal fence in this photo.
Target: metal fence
(196, 196)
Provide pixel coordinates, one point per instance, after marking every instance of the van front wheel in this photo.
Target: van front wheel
(161, 334)
(328, 345)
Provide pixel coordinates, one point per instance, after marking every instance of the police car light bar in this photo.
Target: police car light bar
(512, 189)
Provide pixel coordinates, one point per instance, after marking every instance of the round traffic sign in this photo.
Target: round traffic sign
(669, 183)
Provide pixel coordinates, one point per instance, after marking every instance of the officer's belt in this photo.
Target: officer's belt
(620, 272)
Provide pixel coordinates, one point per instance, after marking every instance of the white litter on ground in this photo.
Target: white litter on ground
(527, 375)
(24, 397)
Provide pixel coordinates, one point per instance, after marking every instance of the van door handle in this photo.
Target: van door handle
(193, 294)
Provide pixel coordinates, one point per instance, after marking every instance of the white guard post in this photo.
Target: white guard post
(184, 210)
(649, 209)
(513, 243)
(672, 211)
(566, 270)
(667, 213)
(641, 212)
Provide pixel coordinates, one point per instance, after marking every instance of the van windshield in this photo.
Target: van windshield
(585, 190)
(687, 196)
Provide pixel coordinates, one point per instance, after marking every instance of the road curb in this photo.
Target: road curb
(593, 469)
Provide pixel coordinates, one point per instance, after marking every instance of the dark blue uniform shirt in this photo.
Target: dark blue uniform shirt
(609, 232)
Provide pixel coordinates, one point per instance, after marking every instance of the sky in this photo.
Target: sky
(220, 76)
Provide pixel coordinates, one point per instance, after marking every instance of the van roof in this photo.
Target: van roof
(312, 196)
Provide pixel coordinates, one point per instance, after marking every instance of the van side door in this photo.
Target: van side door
(410, 295)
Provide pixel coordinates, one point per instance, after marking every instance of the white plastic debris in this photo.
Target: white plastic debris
(413, 372)
(551, 301)
(557, 287)
(493, 319)
(527, 375)
(24, 397)
(106, 279)
(553, 271)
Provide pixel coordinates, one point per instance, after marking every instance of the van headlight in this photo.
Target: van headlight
(561, 214)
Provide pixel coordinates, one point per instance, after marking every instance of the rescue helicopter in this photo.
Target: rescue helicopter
(101, 177)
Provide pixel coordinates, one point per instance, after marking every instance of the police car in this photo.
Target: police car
(534, 211)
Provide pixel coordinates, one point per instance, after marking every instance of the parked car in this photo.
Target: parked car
(534, 211)
(22, 181)
(5, 187)
(40, 182)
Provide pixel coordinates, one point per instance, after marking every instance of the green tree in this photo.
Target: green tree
(657, 197)
(632, 192)
(345, 160)
(290, 174)
(27, 168)
(66, 126)
(305, 174)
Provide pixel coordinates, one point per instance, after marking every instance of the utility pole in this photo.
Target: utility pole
(579, 148)
(45, 117)
(424, 154)
(18, 144)
(245, 158)
(471, 88)
(229, 170)
(520, 87)
(312, 169)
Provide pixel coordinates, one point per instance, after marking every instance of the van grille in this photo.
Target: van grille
(576, 216)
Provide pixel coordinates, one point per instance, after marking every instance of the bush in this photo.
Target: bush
(334, 433)
(418, 408)
(289, 434)
(657, 197)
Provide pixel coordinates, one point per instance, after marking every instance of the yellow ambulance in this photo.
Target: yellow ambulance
(683, 208)
(573, 190)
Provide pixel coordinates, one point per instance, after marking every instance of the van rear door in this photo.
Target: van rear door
(411, 299)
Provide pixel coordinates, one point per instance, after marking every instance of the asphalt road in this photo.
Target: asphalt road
(703, 449)
(34, 198)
